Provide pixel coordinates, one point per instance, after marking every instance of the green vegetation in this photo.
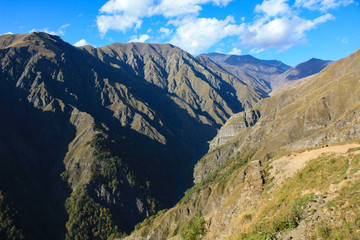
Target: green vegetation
(349, 230)
(9, 228)
(88, 219)
(110, 169)
(290, 206)
(195, 230)
(148, 221)
(221, 173)
(109, 165)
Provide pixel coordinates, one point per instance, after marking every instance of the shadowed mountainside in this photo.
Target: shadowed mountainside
(105, 131)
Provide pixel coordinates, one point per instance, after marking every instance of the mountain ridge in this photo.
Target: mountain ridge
(266, 76)
(100, 127)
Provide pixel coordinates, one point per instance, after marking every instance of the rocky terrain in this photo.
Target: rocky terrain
(273, 173)
(321, 111)
(98, 139)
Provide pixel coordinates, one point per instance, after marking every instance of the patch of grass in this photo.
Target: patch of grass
(348, 230)
(289, 207)
(221, 173)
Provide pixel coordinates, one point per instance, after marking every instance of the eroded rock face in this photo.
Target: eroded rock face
(234, 125)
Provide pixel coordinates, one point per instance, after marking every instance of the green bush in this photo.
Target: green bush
(88, 219)
(195, 230)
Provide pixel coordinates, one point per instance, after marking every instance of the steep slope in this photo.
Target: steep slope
(317, 199)
(105, 132)
(190, 84)
(240, 189)
(323, 110)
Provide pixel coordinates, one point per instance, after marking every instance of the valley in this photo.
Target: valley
(100, 142)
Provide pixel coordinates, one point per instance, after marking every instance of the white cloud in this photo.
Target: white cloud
(256, 50)
(142, 38)
(117, 22)
(81, 43)
(165, 32)
(322, 5)
(123, 15)
(235, 51)
(281, 33)
(128, 7)
(195, 35)
(273, 8)
(171, 8)
(344, 40)
(59, 32)
(8, 33)
(278, 24)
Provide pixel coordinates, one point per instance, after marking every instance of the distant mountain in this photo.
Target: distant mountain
(286, 169)
(266, 76)
(97, 139)
(254, 72)
(321, 111)
(300, 72)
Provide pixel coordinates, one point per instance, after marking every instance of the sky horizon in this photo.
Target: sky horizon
(292, 31)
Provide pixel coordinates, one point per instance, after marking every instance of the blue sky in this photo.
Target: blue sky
(292, 31)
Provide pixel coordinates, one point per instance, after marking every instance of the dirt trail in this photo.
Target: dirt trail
(287, 166)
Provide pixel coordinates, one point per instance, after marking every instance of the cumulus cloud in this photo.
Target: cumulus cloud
(117, 22)
(81, 43)
(322, 5)
(165, 32)
(59, 32)
(235, 51)
(277, 24)
(170, 8)
(281, 33)
(123, 15)
(198, 34)
(141, 38)
(273, 8)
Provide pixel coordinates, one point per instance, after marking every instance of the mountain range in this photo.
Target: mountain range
(98, 139)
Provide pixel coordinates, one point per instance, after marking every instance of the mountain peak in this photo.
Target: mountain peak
(308, 68)
(145, 49)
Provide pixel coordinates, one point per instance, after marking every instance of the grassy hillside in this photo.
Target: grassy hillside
(319, 199)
